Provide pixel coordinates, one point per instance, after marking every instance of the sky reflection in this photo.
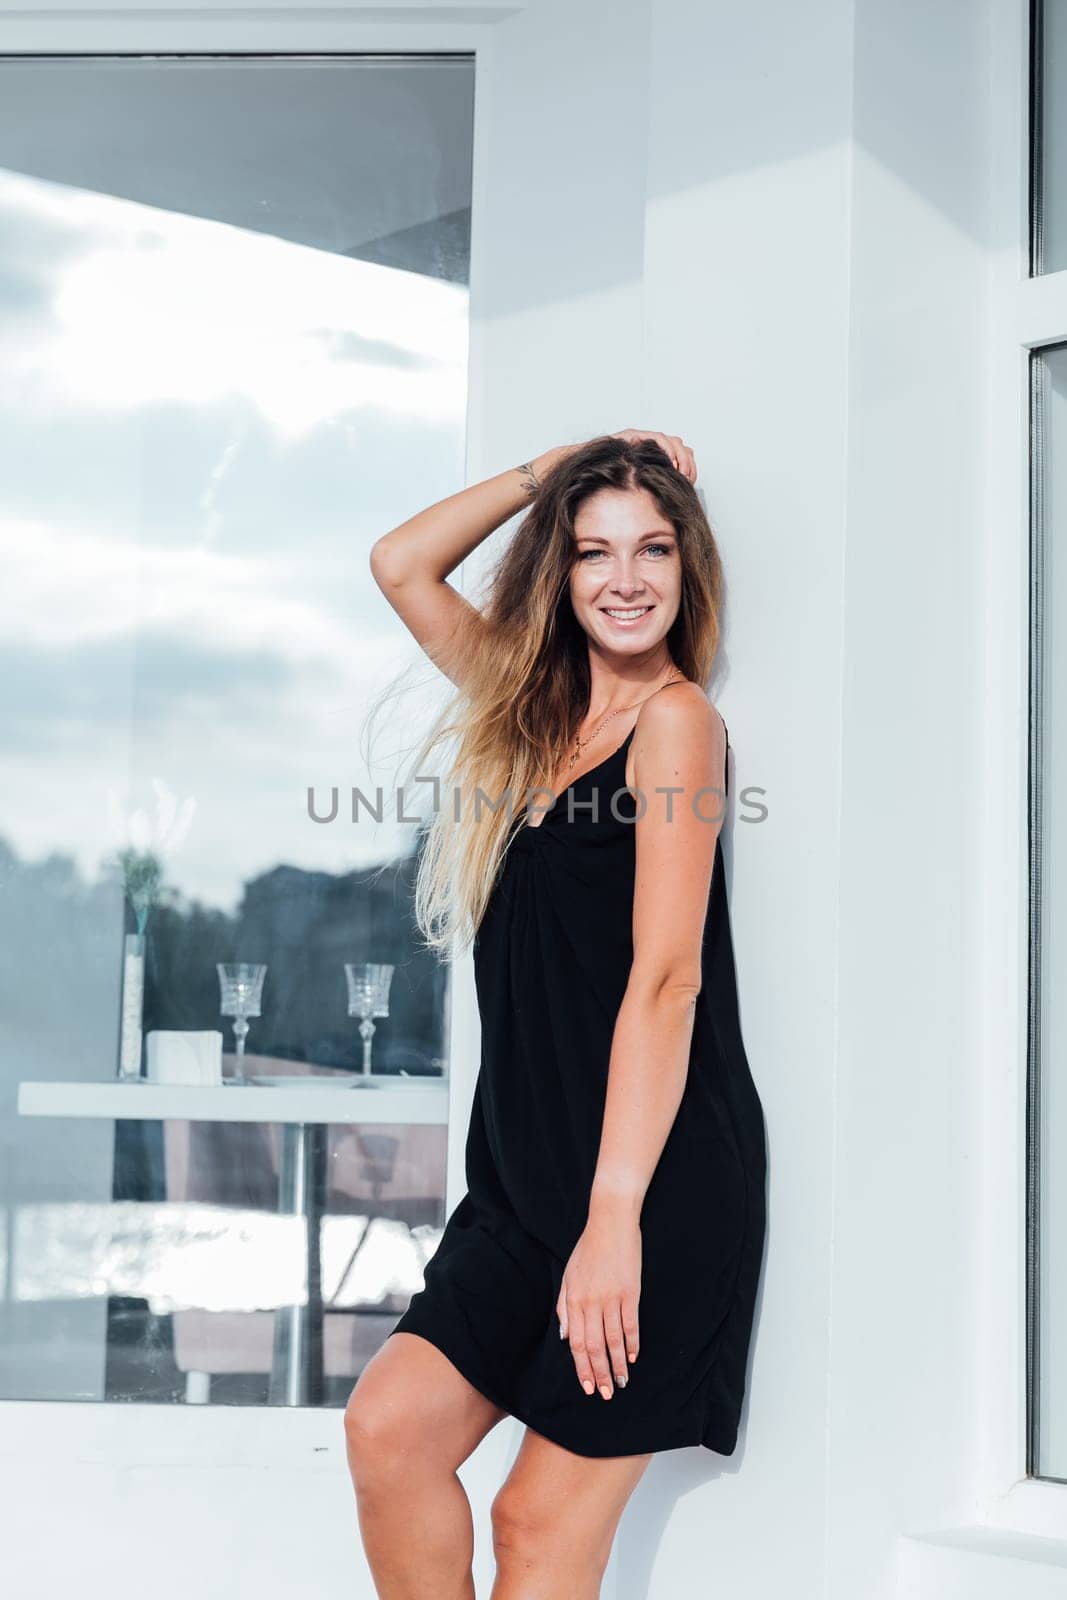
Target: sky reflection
(205, 430)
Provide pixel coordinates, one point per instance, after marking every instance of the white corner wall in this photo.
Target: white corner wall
(781, 231)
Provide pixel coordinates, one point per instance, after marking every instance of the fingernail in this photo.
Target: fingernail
(622, 1379)
(605, 1389)
(562, 1333)
(587, 1385)
(632, 1355)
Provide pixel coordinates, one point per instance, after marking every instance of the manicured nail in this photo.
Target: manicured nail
(632, 1355)
(605, 1389)
(588, 1385)
(622, 1379)
(562, 1333)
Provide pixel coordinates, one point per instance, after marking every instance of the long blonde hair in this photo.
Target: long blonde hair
(525, 674)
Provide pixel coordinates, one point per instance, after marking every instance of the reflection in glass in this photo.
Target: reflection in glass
(1049, 138)
(234, 315)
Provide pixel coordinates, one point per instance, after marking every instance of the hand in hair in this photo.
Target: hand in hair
(681, 455)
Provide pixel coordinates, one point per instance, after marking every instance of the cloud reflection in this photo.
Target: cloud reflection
(145, 305)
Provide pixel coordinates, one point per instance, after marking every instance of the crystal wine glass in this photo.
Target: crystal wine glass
(368, 996)
(241, 985)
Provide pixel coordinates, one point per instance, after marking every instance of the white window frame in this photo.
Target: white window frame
(1025, 314)
(123, 1435)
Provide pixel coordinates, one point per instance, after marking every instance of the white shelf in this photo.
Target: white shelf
(411, 1101)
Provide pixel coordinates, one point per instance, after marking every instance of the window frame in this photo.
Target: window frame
(1028, 312)
(113, 1437)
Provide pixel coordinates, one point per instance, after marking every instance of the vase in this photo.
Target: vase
(132, 1010)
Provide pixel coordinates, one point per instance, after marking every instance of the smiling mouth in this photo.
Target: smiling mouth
(626, 614)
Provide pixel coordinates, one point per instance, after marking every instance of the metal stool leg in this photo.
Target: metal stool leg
(297, 1374)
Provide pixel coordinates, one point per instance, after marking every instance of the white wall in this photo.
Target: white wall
(784, 232)
(746, 350)
(902, 1353)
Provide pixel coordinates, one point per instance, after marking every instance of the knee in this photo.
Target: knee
(530, 1534)
(518, 1527)
(379, 1440)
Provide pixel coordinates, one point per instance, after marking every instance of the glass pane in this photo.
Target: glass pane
(1049, 1078)
(234, 324)
(1050, 137)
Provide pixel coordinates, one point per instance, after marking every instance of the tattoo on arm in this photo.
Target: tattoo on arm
(529, 478)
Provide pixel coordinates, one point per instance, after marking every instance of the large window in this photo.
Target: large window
(233, 312)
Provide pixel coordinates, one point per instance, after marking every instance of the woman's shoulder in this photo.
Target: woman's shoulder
(679, 736)
(680, 711)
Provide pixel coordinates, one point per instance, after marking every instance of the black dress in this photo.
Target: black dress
(552, 956)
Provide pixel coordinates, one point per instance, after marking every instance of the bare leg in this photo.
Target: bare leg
(411, 1420)
(555, 1518)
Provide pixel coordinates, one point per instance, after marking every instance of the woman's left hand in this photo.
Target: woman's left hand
(598, 1299)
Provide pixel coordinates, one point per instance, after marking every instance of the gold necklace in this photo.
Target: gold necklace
(581, 744)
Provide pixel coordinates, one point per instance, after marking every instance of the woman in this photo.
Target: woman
(598, 1279)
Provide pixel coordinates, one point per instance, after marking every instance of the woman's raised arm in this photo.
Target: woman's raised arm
(411, 564)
